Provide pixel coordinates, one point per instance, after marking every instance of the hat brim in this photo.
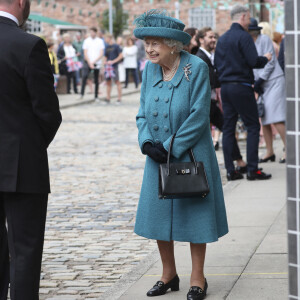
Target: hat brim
(163, 32)
(255, 28)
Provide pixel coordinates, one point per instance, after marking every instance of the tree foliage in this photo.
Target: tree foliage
(120, 18)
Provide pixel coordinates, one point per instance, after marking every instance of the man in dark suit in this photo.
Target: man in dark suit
(29, 120)
(206, 39)
(235, 59)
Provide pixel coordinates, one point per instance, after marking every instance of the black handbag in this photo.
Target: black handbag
(261, 106)
(182, 180)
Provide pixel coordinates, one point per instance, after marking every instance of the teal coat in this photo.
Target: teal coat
(180, 106)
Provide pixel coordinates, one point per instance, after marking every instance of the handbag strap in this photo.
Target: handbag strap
(190, 151)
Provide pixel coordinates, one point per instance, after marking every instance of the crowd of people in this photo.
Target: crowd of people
(268, 84)
(102, 59)
(96, 59)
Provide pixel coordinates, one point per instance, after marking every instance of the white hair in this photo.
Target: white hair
(266, 29)
(237, 10)
(66, 35)
(173, 43)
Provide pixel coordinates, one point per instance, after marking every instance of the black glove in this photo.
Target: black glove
(258, 86)
(160, 147)
(154, 153)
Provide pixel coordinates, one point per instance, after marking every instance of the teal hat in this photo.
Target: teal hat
(157, 23)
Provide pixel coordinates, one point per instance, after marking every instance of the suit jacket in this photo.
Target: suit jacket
(29, 110)
(213, 78)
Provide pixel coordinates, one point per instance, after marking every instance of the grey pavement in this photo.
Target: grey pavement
(90, 249)
(248, 263)
(71, 100)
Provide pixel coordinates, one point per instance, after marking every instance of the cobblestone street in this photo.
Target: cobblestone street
(96, 170)
(96, 173)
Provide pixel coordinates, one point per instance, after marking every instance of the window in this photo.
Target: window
(33, 26)
(202, 17)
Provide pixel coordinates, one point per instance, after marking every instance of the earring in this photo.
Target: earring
(172, 52)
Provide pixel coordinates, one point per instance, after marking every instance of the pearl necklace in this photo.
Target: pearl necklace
(169, 76)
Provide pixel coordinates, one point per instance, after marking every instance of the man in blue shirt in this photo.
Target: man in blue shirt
(235, 59)
(113, 55)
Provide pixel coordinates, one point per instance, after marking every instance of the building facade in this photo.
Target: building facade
(194, 13)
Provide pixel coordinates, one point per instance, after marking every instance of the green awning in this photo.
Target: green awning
(49, 20)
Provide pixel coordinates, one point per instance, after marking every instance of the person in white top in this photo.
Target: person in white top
(93, 48)
(130, 53)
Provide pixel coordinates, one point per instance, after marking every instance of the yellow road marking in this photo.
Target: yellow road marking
(229, 274)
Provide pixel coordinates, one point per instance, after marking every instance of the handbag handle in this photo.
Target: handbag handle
(191, 154)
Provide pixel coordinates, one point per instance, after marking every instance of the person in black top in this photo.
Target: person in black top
(206, 39)
(235, 59)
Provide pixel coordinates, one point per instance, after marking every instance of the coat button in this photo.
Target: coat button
(160, 85)
(155, 113)
(156, 99)
(165, 115)
(166, 129)
(170, 86)
(157, 141)
(166, 100)
(155, 127)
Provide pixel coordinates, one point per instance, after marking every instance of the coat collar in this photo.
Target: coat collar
(7, 21)
(237, 26)
(184, 59)
(204, 57)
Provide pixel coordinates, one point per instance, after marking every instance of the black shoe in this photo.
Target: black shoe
(282, 161)
(259, 175)
(217, 146)
(160, 288)
(196, 293)
(235, 175)
(271, 158)
(242, 170)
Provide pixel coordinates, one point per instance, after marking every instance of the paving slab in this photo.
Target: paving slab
(265, 289)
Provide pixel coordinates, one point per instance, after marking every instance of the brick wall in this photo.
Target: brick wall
(133, 8)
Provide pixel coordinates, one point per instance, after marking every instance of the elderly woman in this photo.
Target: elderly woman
(270, 83)
(67, 51)
(175, 98)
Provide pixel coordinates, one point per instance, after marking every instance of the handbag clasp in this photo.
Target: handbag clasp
(183, 171)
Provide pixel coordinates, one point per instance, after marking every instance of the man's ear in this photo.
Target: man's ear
(243, 17)
(201, 41)
(21, 3)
